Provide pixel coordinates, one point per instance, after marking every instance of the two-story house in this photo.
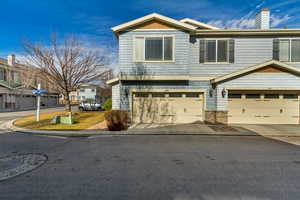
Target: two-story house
(16, 84)
(88, 92)
(184, 71)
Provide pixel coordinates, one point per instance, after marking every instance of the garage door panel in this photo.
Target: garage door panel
(175, 109)
(264, 111)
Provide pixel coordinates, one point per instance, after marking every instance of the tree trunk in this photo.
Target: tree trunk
(68, 103)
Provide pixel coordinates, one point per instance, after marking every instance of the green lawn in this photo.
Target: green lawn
(83, 120)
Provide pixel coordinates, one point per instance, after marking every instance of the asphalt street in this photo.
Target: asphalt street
(154, 167)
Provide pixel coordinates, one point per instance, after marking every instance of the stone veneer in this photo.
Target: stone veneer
(216, 117)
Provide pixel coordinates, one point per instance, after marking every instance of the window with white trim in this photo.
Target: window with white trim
(217, 51)
(154, 48)
(289, 50)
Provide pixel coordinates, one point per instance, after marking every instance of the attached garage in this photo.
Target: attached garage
(167, 107)
(263, 107)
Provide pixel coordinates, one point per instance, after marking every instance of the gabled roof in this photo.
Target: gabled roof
(198, 24)
(253, 68)
(153, 16)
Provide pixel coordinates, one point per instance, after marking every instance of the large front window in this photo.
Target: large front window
(289, 50)
(154, 48)
(216, 51)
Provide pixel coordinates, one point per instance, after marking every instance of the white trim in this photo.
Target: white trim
(225, 32)
(262, 88)
(111, 81)
(152, 16)
(162, 78)
(256, 67)
(198, 24)
(143, 30)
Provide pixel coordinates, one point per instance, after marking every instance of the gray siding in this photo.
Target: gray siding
(179, 67)
(116, 97)
(258, 81)
(248, 52)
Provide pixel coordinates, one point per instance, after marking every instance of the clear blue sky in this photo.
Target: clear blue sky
(91, 20)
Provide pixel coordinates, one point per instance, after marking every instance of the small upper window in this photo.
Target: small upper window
(157, 94)
(82, 90)
(192, 95)
(234, 96)
(175, 94)
(252, 96)
(141, 94)
(290, 96)
(93, 90)
(154, 48)
(271, 96)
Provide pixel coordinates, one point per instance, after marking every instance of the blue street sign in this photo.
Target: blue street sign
(38, 92)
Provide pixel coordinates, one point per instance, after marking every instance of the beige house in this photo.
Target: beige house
(16, 84)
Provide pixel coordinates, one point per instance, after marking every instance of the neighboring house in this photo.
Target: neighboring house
(186, 71)
(16, 84)
(88, 92)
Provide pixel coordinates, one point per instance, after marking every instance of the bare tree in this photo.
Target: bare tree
(66, 64)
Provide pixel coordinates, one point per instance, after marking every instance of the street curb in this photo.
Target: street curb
(89, 133)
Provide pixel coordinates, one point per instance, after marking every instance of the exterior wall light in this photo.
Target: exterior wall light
(211, 93)
(126, 92)
(223, 93)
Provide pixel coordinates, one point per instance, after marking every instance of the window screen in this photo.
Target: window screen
(284, 50)
(222, 50)
(295, 57)
(168, 48)
(153, 48)
(211, 51)
(139, 48)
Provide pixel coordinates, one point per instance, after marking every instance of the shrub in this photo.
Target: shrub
(116, 120)
(108, 104)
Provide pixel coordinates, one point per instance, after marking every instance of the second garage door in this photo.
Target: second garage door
(162, 107)
(263, 108)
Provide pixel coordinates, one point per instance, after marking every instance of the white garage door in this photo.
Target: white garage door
(160, 107)
(260, 108)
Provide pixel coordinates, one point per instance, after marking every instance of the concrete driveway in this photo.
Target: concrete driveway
(274, 129)
(190, 129)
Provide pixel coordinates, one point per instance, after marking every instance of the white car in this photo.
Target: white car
(90, 106)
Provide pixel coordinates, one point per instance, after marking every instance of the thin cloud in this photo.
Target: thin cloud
(276, 20)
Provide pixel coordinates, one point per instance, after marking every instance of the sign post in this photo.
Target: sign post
(38, 93)
(38, 104)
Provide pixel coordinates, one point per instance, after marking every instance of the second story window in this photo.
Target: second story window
(289, 50)
(160, 48)
(82, 90)
(216, 51)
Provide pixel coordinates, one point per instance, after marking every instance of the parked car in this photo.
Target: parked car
(90, 106)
